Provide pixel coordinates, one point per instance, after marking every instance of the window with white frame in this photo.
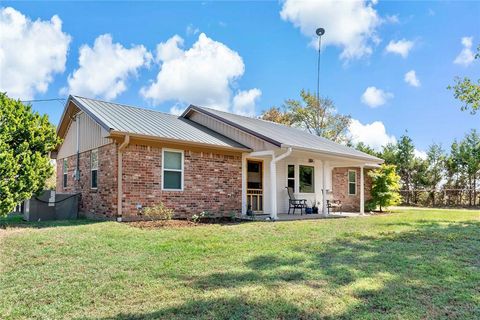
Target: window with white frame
(352, 182)
(94, 169)
(172, 169)
(306, 177)
(291, 176)
(65, 173)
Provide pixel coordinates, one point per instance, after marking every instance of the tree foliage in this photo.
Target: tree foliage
(385, 186)
(26, 138)
(317, 116)
(467, 91)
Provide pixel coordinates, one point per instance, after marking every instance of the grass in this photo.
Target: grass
(413, 264)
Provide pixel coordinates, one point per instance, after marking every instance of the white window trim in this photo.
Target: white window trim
(182, 171)
(348, 183)
(298, 178)
(294, 177)
(65, 174)
(92, 169)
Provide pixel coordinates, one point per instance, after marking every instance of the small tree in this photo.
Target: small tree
(385, 186)
(26, 139)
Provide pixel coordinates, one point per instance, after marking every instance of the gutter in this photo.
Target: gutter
(122, 147)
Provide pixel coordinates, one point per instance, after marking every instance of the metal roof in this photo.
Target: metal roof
(284, 136)
(134, 120)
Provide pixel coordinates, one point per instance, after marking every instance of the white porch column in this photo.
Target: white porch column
(362, 192)
(273, 189)
(324, 190)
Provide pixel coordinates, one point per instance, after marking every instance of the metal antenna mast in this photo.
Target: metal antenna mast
(320, 32)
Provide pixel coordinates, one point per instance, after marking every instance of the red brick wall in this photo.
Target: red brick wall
(350, 203)
(212, 182)
(101, 202)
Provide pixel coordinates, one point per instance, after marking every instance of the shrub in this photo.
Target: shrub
(385, 186)
(370, 206)
(158, 212)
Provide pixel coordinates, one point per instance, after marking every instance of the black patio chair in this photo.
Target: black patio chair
(295, 203)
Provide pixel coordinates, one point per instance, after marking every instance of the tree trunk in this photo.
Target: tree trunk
(470, 190)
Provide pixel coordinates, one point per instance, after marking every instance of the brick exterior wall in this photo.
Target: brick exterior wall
(100, 202)
(350, 203)
(212, 182)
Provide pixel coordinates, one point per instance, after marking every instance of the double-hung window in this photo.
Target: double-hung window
(291, 176)
(65, 173)
(172, 169)
(352, 182)
(94, 169)
(307, 179)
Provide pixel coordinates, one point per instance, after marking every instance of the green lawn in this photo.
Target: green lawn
(413, 264)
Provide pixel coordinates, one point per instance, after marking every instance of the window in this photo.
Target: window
(254, 174)
(94, 169)
(65, 173)
(172, 170)
(352, 182)
(306, 177)
(291, 176)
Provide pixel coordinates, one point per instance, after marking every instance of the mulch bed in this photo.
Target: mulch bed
(163, 224)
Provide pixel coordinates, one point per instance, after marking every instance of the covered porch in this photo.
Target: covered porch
(313, 176)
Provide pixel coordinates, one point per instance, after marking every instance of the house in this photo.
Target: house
(123, 158)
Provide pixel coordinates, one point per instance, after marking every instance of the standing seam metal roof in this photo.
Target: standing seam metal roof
(124, 118)
(283, 135)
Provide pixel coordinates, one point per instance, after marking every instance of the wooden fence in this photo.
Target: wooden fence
(441, 198)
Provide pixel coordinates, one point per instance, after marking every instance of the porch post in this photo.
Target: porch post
(362, 192)
(273, 189)
(324, 191)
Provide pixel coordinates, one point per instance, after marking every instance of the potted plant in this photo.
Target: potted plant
(314, 207)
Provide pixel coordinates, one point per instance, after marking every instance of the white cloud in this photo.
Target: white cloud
(169, 49)
(191, 30)
(466, 56)
(244, 102)
(393, 19)
(31, 52)
(372, 134)
(374, 97)
(411, 78)
(350, 25)
(177, 109)
(400, 47)
(105, 68)
(203, 74)
(420, 154)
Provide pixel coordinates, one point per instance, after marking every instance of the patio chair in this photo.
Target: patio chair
(334, 205)
(295, 203)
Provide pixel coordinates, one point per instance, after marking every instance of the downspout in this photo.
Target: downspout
(273, 182)
(122, 146)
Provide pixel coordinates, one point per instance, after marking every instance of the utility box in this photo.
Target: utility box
(51, 206)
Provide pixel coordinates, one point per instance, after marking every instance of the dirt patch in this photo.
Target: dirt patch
(163, 224)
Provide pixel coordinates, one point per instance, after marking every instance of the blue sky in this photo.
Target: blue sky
(254, 55)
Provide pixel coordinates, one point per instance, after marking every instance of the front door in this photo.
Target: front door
(255, 185)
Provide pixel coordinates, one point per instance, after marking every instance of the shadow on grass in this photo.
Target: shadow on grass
(16, 221)
(431, 272)
(226, 308)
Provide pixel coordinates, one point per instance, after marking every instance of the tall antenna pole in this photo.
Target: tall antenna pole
(320, 32)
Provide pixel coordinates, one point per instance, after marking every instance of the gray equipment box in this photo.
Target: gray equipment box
(51, 206)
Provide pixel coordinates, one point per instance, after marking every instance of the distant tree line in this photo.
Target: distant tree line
(443, 178)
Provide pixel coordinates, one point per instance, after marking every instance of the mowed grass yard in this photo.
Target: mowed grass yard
(412, 264)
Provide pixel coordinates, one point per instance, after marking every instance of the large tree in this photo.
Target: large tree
(26, 139)
(467, 91)
(405, 163)
(435, 168)
(317, 116)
